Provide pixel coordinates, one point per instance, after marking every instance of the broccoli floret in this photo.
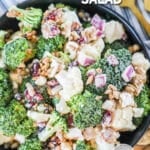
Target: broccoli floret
(143, 100)
(56, 123)
(113, 73)
(50, 45)
(119, 44)
(17, 52)
(5, 88)
(2, 38)
(14, 120)
(26, 128)
(81, 145)
(29, 18)
(87, 111)
(31, 144)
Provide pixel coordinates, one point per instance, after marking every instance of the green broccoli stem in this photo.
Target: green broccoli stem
(56, 122)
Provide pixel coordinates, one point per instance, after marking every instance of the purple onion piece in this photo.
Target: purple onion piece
(27, 96)
(99, 24)
(74, 64)
(54, 30)
(38, 97)
(91, 72)
(52, 83)
(128, 73)
(85, 60)
(81, 40)
(35, 69)
(107, 118)
(100, 80)
(112, 60)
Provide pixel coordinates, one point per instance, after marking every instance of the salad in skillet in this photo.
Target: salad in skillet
(69, 81)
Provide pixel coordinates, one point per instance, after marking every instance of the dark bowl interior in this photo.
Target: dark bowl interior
(130, 138)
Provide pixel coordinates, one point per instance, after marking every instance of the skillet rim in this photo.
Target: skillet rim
(138, 133)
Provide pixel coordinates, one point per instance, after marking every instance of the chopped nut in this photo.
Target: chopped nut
(75, 26)
(130, 89)
(90, 34)
(17, 75)
(90, 80)
(31, 36)
(98, 70)
(112, 92)
(74, 36)
(44, 66)
(134, 48)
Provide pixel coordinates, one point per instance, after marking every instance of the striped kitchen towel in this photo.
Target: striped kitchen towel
(125, 12)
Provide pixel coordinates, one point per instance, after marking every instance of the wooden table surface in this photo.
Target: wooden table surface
(144, 143)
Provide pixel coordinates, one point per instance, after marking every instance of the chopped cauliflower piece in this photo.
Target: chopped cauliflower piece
(110, 135)
(20, 138)
(66, 146)
(93, 50)
(122, 120)
(138, 59)
(71, 81)
(114, 31)
(68, 18)
(126, 99)
(71, 47)
(109, 105)
(138, 112)
(90, 34)
(56, 66)
(101, 144)
(74, 134)
(62, 107)
(40, 81)
(89, 133)
(38, 117)
(99, 45)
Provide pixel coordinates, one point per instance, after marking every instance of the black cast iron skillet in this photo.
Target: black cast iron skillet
(130, 138)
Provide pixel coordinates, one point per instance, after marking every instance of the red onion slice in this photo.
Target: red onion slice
(91, 72)
(100, 80)
(107, 118)
(85, 60)
(128, 73)
(99, 24)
